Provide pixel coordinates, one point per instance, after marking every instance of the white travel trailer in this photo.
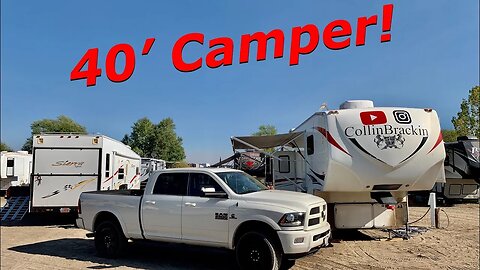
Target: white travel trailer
(150, 165)
(462, 171)
(65, 165)
(362, 160)
(15, 169)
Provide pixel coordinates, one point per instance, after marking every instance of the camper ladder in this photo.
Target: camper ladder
(15, 208)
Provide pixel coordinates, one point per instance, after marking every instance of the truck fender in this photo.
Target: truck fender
(116, 215)
(254, 218)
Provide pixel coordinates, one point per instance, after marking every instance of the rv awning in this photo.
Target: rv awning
(264, 142)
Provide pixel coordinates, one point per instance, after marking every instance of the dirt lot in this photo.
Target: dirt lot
(65, 247)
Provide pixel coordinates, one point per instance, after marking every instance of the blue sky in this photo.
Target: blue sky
(431, 61)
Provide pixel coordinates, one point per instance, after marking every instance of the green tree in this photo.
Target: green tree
(467, 120)
(265, 130)
(142, 137)
(156, 141)
(449, 135)
(168, 145)
(5, 147)
(62, 124)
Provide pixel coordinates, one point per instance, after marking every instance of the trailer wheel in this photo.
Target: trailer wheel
(109, 240)
(255, 250)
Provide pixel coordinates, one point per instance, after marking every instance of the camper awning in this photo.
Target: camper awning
(264, 142)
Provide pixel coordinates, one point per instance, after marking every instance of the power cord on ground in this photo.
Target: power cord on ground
(448, 219)
(428, 210)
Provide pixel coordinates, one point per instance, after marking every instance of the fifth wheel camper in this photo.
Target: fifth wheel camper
(363, 160)
(65, 165)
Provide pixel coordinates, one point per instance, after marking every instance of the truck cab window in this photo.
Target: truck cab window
(171, 184)
(310, 145)
(199, 181)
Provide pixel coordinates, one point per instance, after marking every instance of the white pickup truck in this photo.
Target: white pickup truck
(209, 207)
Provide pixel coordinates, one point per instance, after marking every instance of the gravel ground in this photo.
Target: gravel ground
(38, 245)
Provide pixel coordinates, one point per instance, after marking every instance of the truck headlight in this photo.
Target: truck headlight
(292, 219)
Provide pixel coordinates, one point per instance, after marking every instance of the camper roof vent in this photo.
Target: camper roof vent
(356, 104)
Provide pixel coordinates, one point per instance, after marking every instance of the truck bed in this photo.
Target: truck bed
(124, 204)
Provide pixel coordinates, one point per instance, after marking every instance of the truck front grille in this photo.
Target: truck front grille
(315, 210)
(313, 221)
(316, 215)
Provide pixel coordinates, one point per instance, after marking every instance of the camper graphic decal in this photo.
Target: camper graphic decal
(66, 163)
(384, 142)
(373, 118)
(390, 137)
(70, 187)
(111, 177)
(331, 140)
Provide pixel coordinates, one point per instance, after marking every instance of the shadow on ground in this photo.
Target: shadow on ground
(42, 219)
(145, 255)
(350, 235)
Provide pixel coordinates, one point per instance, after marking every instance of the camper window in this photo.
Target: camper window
(284, 164)
(310, 145)
(121, 173)
(10, 164)
(107, 165)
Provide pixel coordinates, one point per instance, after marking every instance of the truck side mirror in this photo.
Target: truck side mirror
(210, 192)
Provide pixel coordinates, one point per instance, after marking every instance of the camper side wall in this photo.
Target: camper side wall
(124, 166)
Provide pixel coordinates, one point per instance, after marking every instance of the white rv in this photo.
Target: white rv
(361, 159)
(150, 165)
(65, 165)
(462, 170)
(15, 169)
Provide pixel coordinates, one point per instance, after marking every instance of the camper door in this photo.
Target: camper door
(287, 172)
(60, 175)
(316, 156)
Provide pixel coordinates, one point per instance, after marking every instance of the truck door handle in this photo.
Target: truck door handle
(150, 202)
(191, 204)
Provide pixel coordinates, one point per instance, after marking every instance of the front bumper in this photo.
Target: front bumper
(304, 242)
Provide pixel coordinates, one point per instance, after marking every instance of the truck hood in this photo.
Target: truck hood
(288, 199)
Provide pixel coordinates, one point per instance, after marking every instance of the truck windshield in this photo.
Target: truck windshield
(241, 183)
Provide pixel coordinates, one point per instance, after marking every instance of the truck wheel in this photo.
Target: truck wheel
(256, 251)
(109, 240)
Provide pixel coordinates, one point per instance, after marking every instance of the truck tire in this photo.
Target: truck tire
(255, 250)
(110, 241)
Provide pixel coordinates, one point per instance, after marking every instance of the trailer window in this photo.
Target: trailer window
(107, 165)
(310, 145)
(284, 164)
(171, 184)
(10, 164)
(121, 173)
